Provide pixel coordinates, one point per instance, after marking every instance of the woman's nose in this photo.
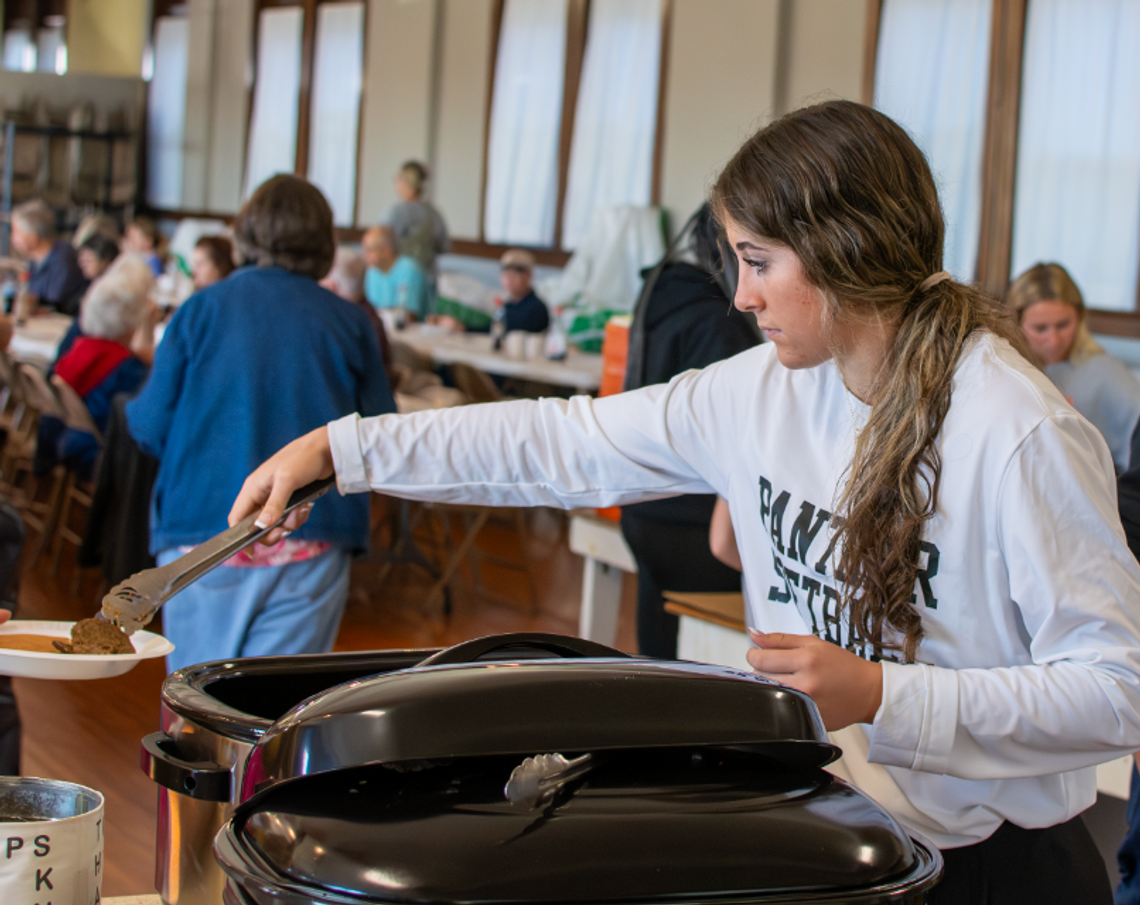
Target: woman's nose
(746, 300)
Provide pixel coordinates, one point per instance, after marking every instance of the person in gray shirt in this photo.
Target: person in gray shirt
(1051, 312)
(420, 231)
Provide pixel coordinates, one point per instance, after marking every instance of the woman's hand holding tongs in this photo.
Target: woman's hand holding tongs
(269, 488)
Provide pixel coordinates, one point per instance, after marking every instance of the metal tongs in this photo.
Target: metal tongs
(132, 603)
(534, 783)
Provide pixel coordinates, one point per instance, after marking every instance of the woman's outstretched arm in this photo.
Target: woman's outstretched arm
(269, 488)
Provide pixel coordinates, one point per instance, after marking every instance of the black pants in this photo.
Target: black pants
(11, 544)
(1059, 865)
(671, 556)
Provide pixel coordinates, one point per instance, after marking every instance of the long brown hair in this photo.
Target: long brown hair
(850, 193)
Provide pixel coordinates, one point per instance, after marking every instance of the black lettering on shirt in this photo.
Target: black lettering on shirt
(802, 534)
(818, 595)
(774, 593)
(927, 571)
(778, 509)
(812, 587)
(765, 500)
(831, 615)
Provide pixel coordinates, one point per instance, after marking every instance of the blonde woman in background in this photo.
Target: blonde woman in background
(1051, 312)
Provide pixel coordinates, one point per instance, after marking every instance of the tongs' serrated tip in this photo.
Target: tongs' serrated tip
(132, 603)
(125, 607)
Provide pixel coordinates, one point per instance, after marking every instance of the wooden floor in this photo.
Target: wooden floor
(89, 732)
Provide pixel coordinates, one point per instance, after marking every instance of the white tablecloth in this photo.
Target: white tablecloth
(37, 339)
(579, 370)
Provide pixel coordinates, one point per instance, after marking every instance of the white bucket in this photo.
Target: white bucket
(51, 842)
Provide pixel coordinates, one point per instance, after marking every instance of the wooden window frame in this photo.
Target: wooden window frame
(35, 13)
(578, 19)
(999, 155)
(577, 26)
(304, 94)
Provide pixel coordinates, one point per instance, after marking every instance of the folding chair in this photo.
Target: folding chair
(76, 416)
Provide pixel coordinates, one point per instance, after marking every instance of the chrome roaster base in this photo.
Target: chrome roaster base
(212, 716)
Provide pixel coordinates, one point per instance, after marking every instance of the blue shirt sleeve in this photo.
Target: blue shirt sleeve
(151, 413)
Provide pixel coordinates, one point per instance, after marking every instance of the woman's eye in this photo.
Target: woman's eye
(757, 266)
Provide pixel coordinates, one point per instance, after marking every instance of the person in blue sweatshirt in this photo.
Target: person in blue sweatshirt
(245, 365)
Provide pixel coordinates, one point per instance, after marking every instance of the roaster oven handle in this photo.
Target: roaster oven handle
(559, 645)
(203, 780)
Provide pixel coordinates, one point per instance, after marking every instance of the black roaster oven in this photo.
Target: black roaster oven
(525, 769)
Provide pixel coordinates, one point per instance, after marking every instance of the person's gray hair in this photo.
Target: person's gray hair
(116, 303)
(36, 217)
(348, 272)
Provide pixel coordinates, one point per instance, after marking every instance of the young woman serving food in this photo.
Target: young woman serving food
(928, 531)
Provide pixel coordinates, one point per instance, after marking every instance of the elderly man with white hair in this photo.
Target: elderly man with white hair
(100, 364)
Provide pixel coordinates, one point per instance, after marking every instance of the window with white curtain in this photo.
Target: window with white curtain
(166, 113)
(931, 74)
(51, 46)
(272, 144)
(20, 50)
(1077, 196)
(615, 121)
(335, 105)
(526, 119)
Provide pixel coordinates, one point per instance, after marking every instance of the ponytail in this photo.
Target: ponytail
(894, 477)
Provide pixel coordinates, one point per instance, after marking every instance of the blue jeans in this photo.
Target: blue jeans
(255, 612)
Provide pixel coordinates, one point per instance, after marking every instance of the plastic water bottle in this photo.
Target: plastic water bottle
(498, 325)
(10, 288)
(556, 343)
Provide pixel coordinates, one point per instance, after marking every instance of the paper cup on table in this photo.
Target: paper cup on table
(514, 344)
(535, 345)
(51, 842)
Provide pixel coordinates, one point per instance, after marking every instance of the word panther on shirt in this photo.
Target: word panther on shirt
(803, 555)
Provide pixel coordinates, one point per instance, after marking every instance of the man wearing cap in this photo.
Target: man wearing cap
(522, 309)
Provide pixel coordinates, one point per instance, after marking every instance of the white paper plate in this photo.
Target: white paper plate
(37, 665)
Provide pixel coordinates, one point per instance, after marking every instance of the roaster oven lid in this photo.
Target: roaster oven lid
(693, 825)
(450, 707)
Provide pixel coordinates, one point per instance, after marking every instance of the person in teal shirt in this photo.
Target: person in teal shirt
(393, 280)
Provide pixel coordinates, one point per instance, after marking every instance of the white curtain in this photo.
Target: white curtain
(611, 154)
(526, 119)
(19, 50)
(166, 113)
(1078, 161)
(335, 120)
(273, 127)
(51, 49)
(931, 75)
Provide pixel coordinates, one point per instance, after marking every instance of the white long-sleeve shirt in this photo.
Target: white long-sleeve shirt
(1029, 674)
